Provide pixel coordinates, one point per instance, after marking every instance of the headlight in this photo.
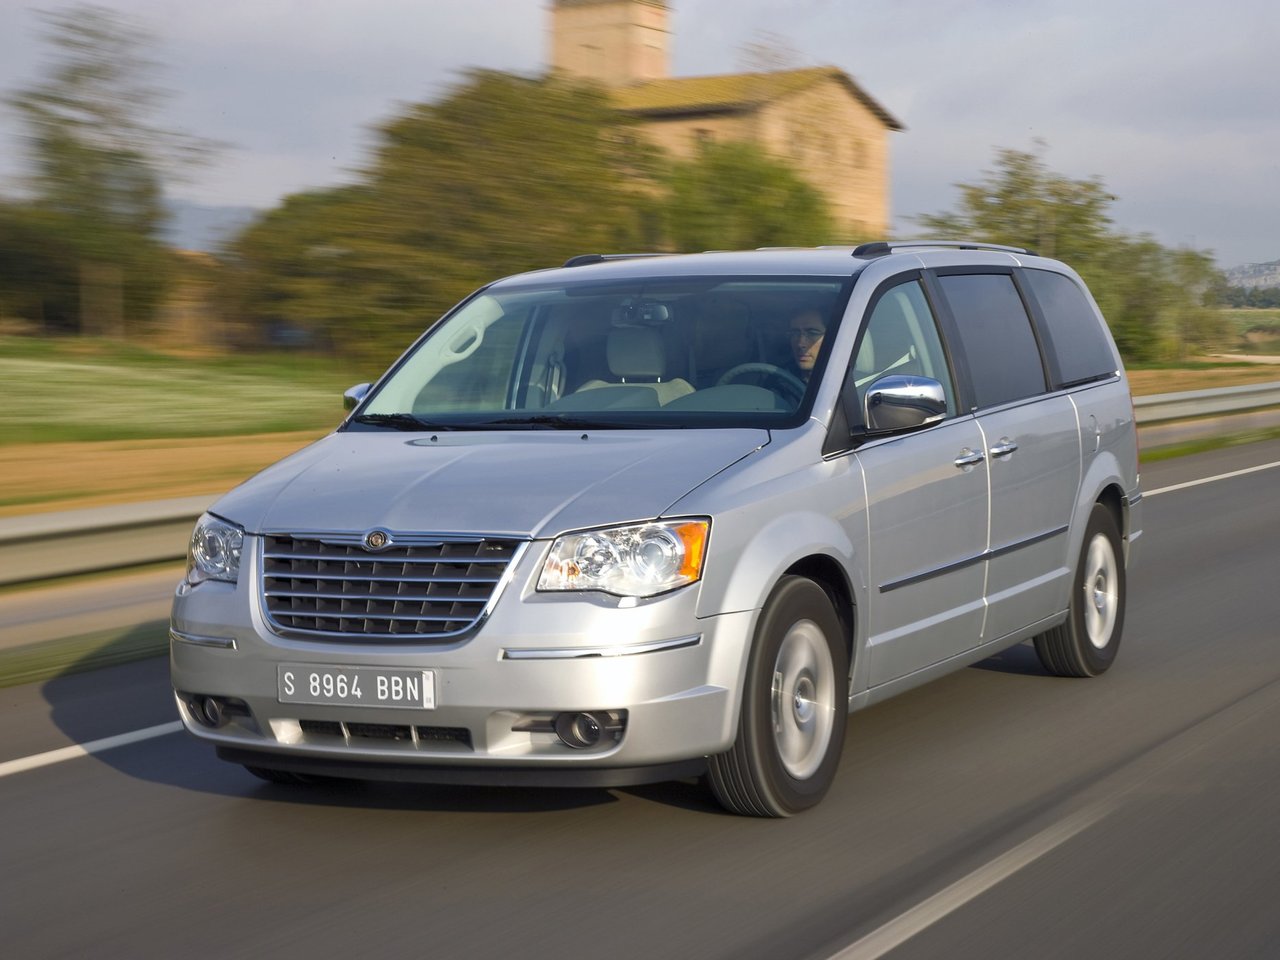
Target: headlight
(634, 561)
(214, 551)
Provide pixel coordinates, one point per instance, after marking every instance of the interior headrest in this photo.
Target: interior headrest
(636, 353)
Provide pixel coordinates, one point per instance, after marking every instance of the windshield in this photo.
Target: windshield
(657, 353)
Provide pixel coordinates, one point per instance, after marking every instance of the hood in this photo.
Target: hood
(518, 484)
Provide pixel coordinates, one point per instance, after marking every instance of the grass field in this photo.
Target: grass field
(1258, 329)
(85, 424)
(79, 390)
(38, 477)
(1245, 318)
(1148, 381)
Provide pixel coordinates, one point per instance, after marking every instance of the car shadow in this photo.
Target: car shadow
(1020, 659)
(381, 795)
(90, 702)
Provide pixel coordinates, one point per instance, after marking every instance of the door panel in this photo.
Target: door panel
(1032, 442)
(1033, 493)
(928, 533)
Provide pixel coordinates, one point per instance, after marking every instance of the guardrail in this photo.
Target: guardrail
(45, 545)
(1202, 403)
(42, 546)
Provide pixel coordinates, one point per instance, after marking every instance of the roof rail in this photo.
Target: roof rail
(582, 259)
(880, 248)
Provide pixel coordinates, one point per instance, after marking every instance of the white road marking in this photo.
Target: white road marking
(23, 764)
(1221, 476)
(928, 912)
(1097, 802)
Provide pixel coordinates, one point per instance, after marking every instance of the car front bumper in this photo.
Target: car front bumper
(672, 679)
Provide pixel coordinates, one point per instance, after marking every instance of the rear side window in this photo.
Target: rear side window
(1079, 344)
(995, 333)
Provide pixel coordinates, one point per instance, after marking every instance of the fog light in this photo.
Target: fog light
(209, 712)
(213, 712)
(581, 731)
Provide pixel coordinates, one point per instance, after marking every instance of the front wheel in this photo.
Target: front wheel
(795, 706)
(1086, 644)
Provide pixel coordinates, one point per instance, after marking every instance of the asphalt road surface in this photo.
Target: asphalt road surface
(998, 812)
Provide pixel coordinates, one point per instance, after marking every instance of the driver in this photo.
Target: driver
(806, 330)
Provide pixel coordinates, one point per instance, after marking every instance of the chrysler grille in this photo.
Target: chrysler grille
(427, 589)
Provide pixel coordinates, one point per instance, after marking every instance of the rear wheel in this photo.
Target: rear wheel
(1086, 644)
(794, 708)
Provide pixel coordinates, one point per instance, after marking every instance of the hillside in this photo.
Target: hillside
(1254, 275)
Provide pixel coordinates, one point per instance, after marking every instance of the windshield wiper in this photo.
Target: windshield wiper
(537, 421)
(401, 421)
(561, 421)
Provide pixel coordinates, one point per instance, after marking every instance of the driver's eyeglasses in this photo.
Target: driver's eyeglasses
(807, 334)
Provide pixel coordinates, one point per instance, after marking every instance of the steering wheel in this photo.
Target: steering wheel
(790, 386)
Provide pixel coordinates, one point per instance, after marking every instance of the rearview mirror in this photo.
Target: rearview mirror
(642, 313)
(899, 402)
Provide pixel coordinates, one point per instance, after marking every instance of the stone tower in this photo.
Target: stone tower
(616, 42)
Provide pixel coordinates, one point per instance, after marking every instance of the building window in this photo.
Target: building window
(799, 145)
(859, 154)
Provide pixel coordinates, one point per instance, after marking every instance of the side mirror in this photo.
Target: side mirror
(351, 398)
(896, 403)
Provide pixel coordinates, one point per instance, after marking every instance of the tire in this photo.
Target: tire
(795, 706)
(1086, 644)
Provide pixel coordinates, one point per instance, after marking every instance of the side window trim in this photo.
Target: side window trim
(1048, 362)
(1048, 367)
(952, 343)
(1044, 336)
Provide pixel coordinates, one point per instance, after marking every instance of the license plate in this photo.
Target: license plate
(356, 686)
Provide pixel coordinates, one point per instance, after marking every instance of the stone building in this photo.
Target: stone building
(832, 132)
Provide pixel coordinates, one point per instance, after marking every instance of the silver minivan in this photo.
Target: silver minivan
(653, 517)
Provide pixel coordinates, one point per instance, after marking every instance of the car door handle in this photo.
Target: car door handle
(969, 458)
(1004, 447)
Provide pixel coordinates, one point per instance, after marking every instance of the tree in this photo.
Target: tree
(1023, 203)
(1160, 303)
(38, 273)
(504, 174)
(97, 162)
(734, 196)
(294, 272)
(1156, 300)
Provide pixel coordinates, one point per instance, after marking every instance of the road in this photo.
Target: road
(998, 812)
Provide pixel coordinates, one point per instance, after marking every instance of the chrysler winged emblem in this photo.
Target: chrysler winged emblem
(377, 540)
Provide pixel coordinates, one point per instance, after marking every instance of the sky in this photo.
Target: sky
(1174, 104)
